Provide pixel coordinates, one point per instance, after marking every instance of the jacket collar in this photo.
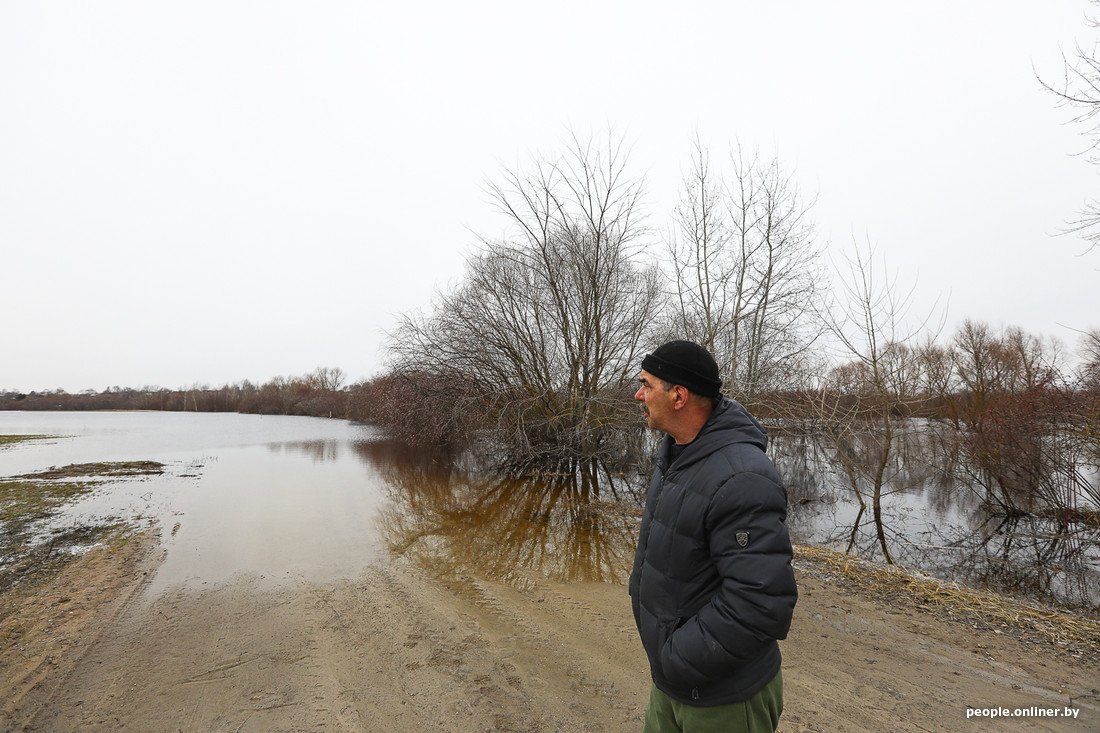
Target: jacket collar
(728, 423)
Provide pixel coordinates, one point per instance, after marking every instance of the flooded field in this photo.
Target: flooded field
(310, 576)
(283, 498)
(273, 497)
(935, 517)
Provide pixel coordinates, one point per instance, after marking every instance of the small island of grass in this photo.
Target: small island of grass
(31, 551)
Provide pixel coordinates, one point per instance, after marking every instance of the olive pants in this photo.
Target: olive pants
(759, 714)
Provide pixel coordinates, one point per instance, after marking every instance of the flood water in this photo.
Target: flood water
(275, 497)
(936, 518)
(294, 498)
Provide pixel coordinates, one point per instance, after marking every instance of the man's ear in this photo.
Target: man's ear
(681, 397)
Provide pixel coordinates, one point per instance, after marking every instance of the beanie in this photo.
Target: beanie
(687, 364)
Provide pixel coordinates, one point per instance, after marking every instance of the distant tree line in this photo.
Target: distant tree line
(321, 393)
(1010, 418)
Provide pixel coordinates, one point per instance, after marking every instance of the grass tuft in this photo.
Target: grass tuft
(889, 584)
(7, 440)
(29, 554)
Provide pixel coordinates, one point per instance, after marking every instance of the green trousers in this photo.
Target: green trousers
(759, 714)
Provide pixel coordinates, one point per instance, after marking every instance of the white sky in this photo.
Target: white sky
(206, 192)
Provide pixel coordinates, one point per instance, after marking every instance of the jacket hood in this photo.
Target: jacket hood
(729, 423)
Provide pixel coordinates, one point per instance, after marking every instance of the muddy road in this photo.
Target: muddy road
(397, 649)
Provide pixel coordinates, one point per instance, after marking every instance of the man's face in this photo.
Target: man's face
(656, 401)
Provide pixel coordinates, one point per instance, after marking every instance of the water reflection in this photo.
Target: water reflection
(934, 519)
(1027, 556)
(281, 499)
(578, 522)
(574, 522)
(318, 450)
(298, 497)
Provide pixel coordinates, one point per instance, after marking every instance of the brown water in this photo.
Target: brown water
(271, 497)
(287, 498)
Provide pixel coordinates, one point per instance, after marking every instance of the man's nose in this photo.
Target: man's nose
(638, 395)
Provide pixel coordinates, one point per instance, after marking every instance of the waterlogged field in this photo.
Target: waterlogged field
(935, 517)
(33, 544)
(233, 494)
(309, 576)
(285, 496)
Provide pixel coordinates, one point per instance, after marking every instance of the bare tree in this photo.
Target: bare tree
(860, 404)
(744, 270)
(1090, 356)
(1079, 89)
(937, 376)
(328, 378)
(547, 327)
(981, 366)
(1025, 428)
(1087, 416)
(990, 365)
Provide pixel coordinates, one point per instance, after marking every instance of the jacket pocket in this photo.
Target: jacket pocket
(665, 629)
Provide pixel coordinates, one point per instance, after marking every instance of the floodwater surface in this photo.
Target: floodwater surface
(285, 499)
(278, 498)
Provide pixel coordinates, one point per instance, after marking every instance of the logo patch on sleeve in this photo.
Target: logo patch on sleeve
(742, 538)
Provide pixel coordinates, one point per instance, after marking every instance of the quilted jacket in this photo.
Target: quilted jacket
(712, 586)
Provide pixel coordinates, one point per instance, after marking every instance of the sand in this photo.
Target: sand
(397, 649)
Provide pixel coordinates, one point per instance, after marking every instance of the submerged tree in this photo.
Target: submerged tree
(1090, 359)
(546, 330)
(1024, 435)
(745, 271)
(500, 524)
(861, 403)
(1086, 418)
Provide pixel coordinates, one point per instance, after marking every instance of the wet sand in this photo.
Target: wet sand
(399, 650)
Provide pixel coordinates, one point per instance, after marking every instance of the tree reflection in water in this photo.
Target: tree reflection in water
(457, 518)
(937, 519)
(575, 521)
(319, 450)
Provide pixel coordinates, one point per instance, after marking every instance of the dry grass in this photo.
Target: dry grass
(117, 469)
(31, 552)
(6, 440)
(1073, 633)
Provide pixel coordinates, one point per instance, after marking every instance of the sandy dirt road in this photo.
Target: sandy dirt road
(399, 650)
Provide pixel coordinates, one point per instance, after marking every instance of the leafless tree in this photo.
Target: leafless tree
(1079, 89)
(989, 364)
(328, 378)
(982, 367)
(1090, 360)
(548, 326)
(1087, 418)
(937, 375)
(1026, 428)
(860, 404)
(745, 270)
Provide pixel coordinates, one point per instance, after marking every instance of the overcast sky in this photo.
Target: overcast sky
(206, 192)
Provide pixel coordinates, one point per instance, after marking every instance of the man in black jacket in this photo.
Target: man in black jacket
(712, 586)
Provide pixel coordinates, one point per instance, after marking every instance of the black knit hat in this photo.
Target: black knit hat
(687, 364)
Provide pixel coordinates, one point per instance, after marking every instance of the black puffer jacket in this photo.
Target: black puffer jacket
(712, 586)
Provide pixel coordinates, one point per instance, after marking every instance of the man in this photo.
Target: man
(712, 586)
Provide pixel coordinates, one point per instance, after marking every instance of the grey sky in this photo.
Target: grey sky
(206, 192)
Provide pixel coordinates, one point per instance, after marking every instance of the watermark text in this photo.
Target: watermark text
(1032, 712)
